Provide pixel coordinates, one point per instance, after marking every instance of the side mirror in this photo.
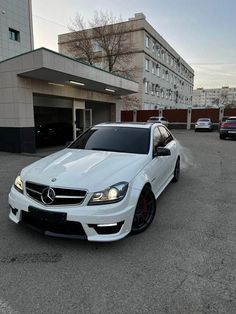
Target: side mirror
(161, 151)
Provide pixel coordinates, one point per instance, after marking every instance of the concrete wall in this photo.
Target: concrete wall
(15, 14)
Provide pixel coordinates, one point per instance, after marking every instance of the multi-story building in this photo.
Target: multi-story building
(16, 35)
(165, 79)
(214, 97)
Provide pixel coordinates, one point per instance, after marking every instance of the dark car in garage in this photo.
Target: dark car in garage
(57, 133)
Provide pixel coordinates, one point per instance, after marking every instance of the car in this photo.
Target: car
(102, 187)
(57, 133)
(158, 119)
(228, 128)
(224, 118)
(204, 124)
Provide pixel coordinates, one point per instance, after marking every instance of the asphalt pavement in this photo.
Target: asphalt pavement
(184, 263)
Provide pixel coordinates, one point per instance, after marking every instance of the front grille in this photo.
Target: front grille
(62, 196)
(50, 222)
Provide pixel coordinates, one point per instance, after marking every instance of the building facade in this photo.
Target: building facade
(214, 97)
(16, 35)
(165, 79)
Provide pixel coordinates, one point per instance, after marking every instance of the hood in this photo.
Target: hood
(85, 169)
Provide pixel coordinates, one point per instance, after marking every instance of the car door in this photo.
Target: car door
(169, 142)
(156, 168)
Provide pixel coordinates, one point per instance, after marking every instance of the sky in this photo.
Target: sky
(203, 32)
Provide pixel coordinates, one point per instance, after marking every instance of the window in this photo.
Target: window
(158, 51)
(163, 55)
(146, 64)
(147, 41)
(153, 67)
(167, 75)
(96, 46)
(116, 139)
(14, 34)
(163, 74)
(153, 46)
(162, 93)
(146, 87)
(153, 89)
(157, 139)
(166, 136)
(158, 90)
(158, 70)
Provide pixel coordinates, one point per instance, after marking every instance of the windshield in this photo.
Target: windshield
(115, 139)
(231, 120)
(205, 120)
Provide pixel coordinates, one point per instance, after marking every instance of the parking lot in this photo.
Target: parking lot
(184, 263)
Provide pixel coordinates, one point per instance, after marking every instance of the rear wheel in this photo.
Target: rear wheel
(222, 136)
(176, 171)
(144, 212)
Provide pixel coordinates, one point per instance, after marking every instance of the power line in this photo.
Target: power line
(56, 23)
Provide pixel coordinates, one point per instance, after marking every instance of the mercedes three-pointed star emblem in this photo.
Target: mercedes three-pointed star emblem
(48, 196)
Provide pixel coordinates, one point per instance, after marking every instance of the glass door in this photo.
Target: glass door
(82, 121)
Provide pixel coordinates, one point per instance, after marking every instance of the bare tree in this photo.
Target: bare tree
(105, 39)
(80, 44)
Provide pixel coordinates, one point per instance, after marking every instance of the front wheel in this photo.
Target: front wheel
(144, 212)
(222, 136)
(176, 171)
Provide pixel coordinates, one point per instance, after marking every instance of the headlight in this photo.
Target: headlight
(113, 194)
(18, 184)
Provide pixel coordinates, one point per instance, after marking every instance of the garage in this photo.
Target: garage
(53, 120)
(54, 97)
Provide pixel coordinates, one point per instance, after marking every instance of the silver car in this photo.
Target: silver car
(203, 124)
(159, 119)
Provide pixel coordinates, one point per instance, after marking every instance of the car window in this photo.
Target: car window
(157, 138)
(204, 120)
(231, 120)
(116, 139)
(166, 135)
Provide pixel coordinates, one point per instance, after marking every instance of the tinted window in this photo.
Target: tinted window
(231, 120)
(116, 139)
(157, 138)
(167, 137)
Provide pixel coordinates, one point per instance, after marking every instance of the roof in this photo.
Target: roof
(47, 65)
(142, 125)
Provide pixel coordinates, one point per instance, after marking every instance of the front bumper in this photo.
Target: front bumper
(96, 223)
(228, 132)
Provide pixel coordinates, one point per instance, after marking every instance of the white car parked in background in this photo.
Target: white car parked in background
(102, 187)
(203, 124)
(159, 119)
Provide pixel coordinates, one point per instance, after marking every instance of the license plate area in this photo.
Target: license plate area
(232, 132)
(46, 216)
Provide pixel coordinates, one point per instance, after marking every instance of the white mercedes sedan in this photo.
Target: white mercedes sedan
(102, 187)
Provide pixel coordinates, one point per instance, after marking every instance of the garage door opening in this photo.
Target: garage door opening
(53, 121)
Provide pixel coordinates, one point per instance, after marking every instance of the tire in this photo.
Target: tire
(222, 136)
(176, 171)
(145, 211)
